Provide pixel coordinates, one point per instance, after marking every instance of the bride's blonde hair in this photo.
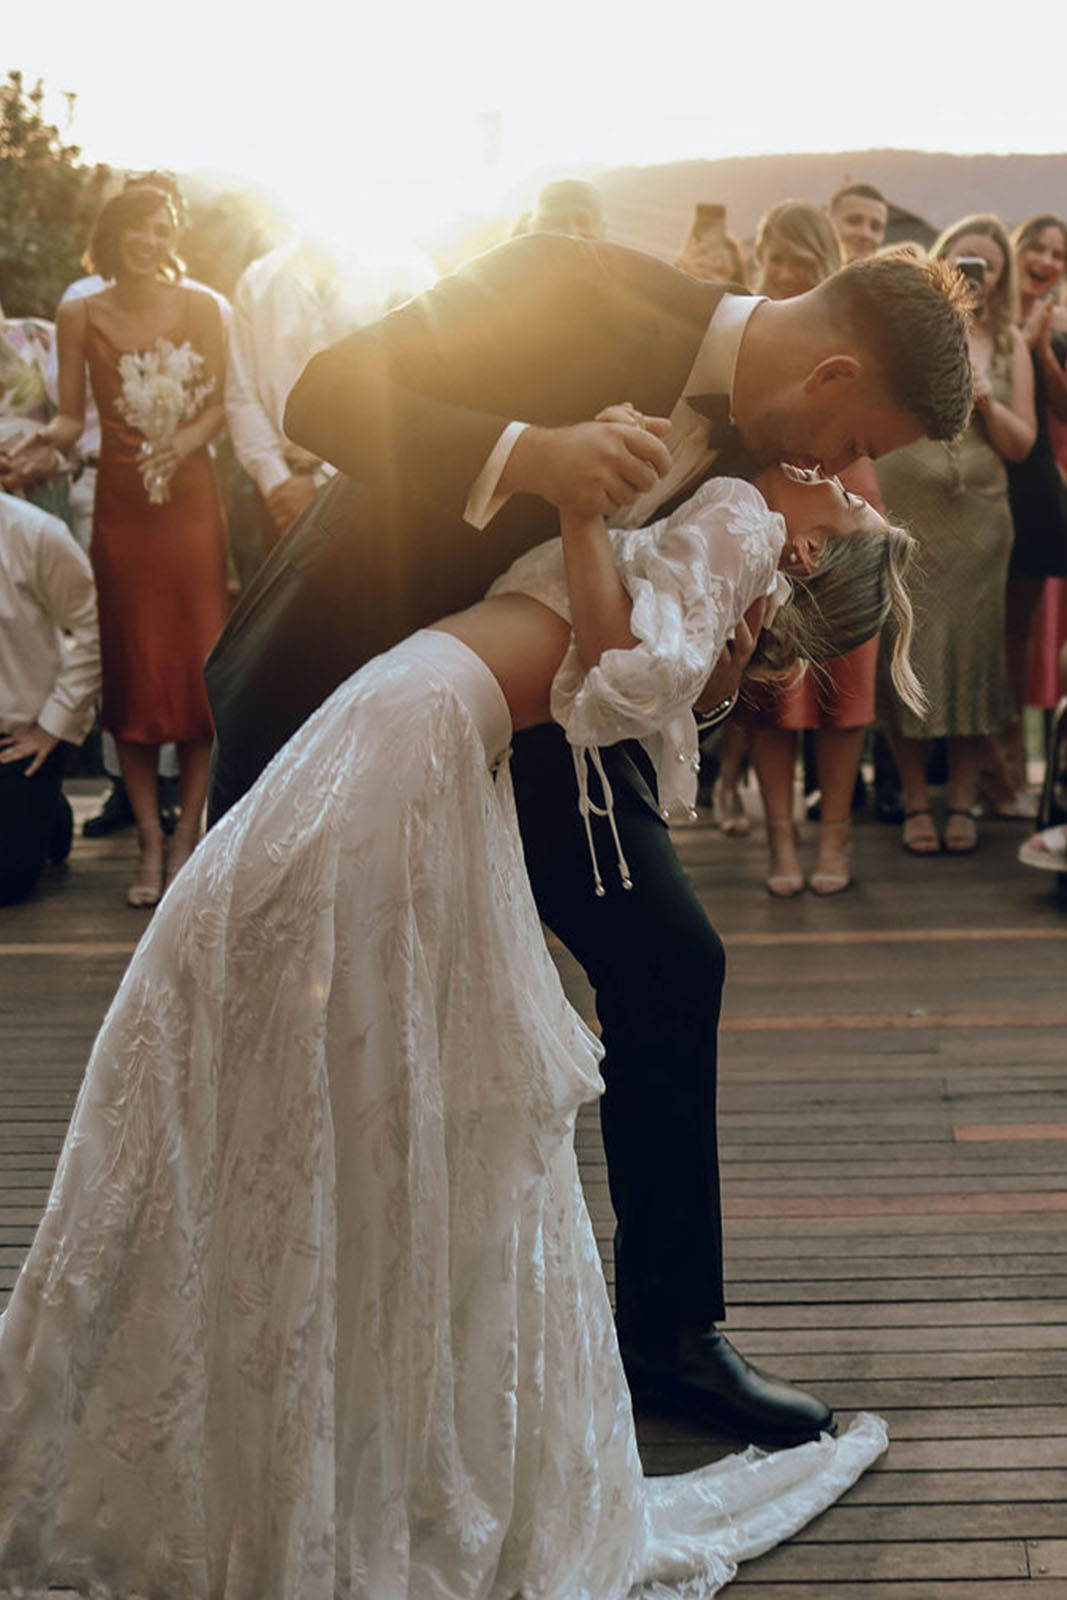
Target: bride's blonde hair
(858, 588)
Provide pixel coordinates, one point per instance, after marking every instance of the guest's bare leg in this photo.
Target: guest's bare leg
(727, 807)
(194, 759)
(1003, 766)
(138, 764)
(964, 760)
(920, 835)
(837, 756)
(774, 756)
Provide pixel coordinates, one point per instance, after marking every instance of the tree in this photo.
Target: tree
(48, 198)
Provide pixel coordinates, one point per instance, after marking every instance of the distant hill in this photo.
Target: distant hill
(649, 208)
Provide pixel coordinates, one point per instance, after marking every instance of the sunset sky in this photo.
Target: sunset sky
(424, 109)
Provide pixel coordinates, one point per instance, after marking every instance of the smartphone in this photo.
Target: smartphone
(709, 223)
(973, 268)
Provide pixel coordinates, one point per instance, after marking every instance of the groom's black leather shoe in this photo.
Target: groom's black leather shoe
(708, 1381)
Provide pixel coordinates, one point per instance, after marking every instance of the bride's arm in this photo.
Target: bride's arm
(599, 601)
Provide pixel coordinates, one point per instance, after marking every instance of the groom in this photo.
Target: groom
(459, 423)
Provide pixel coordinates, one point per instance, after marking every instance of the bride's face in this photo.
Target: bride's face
(815, 508)
(147, 245)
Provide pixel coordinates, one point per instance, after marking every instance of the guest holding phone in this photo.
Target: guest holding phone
(1037, 496)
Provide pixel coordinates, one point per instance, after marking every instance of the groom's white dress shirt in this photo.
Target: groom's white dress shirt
(688, 441)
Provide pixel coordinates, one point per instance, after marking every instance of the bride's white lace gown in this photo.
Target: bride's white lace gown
(315, 1310)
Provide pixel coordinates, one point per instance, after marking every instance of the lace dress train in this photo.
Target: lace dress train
(315, 1310)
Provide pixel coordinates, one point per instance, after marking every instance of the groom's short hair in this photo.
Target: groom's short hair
(913, 316)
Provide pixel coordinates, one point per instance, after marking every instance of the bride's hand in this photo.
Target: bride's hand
(627, 412)
(724, 684)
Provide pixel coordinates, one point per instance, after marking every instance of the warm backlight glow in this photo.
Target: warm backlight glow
(377, 125)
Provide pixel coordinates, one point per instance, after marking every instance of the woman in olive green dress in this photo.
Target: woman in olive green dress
(954, 499)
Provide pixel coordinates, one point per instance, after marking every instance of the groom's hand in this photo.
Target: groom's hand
(591, 468)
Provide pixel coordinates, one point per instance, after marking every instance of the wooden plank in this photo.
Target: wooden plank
(984, 1133)
(936, 1287)
(998, 1341)
(1048, 1557)
(952, 1459)
(976, 1422)
(887, 1205)
(977, 1589)
(891, 1315)
(976, 1486)
(844, 1563)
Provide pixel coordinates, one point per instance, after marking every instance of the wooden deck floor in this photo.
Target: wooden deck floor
(894, 1122)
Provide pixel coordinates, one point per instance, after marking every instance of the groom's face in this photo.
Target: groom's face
(838, 414)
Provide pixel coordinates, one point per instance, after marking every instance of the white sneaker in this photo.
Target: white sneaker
(1046, 850)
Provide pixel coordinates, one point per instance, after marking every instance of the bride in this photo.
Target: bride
(315, 1309)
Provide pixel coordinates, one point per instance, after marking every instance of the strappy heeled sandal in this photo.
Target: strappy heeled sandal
(960, 840)
(921, 841)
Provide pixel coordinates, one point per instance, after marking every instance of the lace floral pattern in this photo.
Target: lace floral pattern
(316, 1311)
(692, 576)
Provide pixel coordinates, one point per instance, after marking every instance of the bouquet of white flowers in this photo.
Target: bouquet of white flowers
(161, 388)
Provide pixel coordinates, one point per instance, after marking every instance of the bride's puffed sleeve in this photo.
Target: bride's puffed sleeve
(691, 578)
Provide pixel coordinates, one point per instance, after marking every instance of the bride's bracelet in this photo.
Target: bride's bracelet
(717, 714)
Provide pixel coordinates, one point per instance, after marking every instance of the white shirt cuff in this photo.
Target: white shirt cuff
(62, 723)
(484, 502)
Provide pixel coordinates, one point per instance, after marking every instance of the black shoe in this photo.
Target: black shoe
(62, 832)
(169, 804)
(114, 815)
(713, 1384)
(889, 805)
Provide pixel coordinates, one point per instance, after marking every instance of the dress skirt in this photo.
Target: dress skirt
(316, 1310)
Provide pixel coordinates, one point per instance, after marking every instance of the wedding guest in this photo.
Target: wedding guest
(288, 305)
(715, 260)
(27, 366)
(49, 682)
(796, 248)
(116, 813)
(860, 213)
(159, 541)
(569, 206)
(954, 498)
(1036, 494)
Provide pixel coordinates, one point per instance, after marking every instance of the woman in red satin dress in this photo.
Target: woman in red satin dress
(156, 359)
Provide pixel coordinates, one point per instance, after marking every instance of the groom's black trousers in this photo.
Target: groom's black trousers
(657, 967)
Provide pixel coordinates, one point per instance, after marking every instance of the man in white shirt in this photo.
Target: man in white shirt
(287, 306)
(49, 684)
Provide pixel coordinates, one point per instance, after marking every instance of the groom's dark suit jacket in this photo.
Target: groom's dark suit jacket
(545, 330)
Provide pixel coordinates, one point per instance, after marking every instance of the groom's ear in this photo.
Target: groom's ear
(834, 372)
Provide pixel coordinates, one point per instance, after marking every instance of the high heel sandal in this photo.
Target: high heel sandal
(835, 847)
(728, 811)
(961, 832)
(783, 884)
(147, 886)
(920, 841)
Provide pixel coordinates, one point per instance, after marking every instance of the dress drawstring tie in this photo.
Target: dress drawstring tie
(588, 807)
